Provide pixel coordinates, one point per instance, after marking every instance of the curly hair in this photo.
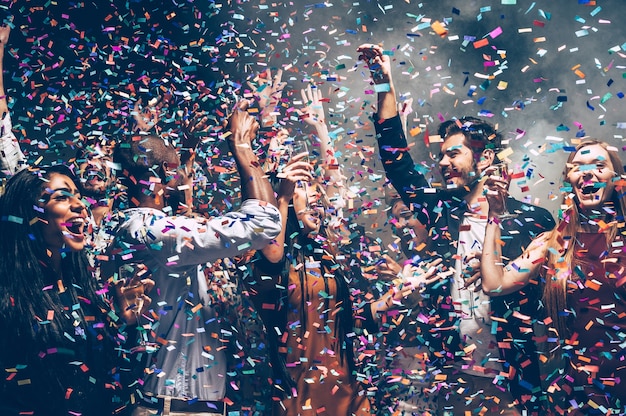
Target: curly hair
(142, 159)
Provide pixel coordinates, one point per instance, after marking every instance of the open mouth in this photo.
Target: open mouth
(75, 226)
(589, 188)
(449, 174)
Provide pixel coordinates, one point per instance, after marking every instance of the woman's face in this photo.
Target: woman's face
(591, 175)
(64, 214)
(306, 203)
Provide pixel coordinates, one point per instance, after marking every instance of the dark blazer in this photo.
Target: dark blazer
(442, 212)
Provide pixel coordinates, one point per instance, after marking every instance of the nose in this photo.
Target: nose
(77, 204)
(444, 161)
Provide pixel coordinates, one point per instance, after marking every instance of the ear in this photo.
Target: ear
(163, 172)
(486, 159)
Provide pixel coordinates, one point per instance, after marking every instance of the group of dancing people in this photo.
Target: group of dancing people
(111, 280)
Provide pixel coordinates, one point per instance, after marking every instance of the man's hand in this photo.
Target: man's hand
(471, 271)
(268, 91)
(496, 188)
(194, 124)
(377, 61)
(147, 117)
(242, 125)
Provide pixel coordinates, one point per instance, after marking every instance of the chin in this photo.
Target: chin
(593, 201)
(74, 242)
(452, 184)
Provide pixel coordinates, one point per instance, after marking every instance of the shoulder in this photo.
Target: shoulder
(135, 219)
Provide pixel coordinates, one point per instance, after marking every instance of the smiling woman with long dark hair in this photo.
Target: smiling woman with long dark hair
(55, 346)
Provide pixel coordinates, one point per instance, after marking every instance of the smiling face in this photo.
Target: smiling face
(306, 204)
(95, 176)
(590, 173)
(457, 162)
(64, 214)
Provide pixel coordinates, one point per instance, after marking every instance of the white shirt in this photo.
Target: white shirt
(12, 159)
(187, 358)
(473, 308)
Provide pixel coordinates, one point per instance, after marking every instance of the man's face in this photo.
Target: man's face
(95, 177)
(457, 163)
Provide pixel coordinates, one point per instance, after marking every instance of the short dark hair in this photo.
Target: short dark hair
(142, 158)
(479, 134)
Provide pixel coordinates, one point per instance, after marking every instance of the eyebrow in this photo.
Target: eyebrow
(596, 160)
(453, 148)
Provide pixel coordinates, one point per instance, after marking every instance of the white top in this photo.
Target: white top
(11, 157)
(187, 358)
(473, 307)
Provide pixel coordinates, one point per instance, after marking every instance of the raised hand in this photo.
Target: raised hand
(312, 112)
(268, 92)
(147, 117)
(379, 65)
(194, 126)
(496, 189)
(242, 126)
(298, 169)
(377, 61)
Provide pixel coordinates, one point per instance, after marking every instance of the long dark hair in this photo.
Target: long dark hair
(298, 249)
(29, 287)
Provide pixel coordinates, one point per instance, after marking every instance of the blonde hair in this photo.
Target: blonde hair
(559, 272)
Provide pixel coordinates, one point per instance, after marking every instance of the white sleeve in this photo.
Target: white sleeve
(12, 159)
(184, 241)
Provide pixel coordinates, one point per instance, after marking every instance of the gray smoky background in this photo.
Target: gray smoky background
(546, 72)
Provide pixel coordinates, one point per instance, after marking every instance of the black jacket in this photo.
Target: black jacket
(442, 213)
